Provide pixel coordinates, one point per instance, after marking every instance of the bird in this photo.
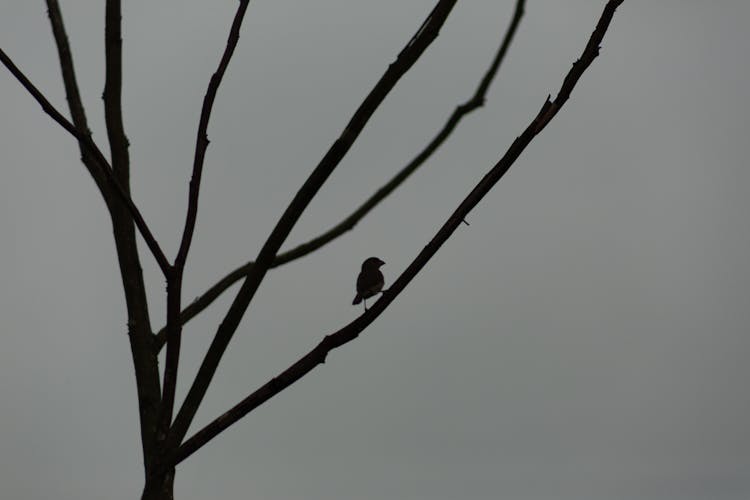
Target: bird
(370, 280)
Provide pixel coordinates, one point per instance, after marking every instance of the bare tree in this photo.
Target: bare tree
(163, 426)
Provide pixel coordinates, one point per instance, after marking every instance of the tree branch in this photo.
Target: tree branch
(406, 59)
(101, 161)
(349, 332)
(73, 95)
(201, 142)
(174, 287)
(112, 95)
(174, 340)
(144, 360)
(124, 230)
(476, 101)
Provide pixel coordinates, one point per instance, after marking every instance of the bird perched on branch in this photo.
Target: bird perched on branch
(370, 280)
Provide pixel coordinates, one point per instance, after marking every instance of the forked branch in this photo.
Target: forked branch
(349, 332)
(348, 223)
(406, 59)
(104, 166)
(113, 193)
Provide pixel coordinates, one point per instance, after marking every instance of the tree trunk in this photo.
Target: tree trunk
(159, 488)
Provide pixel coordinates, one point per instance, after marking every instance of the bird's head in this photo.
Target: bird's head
(372, 263)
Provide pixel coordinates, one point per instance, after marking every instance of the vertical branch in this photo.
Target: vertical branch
(201, 141)
(139, 325)
(174, 282)
(144, 359)
(112, 96)
(174, 339)
(73, 95)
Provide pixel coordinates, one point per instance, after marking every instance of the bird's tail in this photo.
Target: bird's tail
(357, 299)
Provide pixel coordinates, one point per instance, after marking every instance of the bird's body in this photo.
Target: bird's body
(370, 280)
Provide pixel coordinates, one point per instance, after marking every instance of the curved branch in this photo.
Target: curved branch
(201, 141)
(475, 102)
(405, 60)
(349, 332)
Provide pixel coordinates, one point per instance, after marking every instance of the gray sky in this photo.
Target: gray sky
(585, 338)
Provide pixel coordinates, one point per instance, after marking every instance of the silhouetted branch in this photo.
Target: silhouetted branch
(146, 372)
(205, 300)
(352, 330)
(171, 364)
(77, 112)
(476, 101)
(405, 60)
(101, 161)
(125, 236)
(112, 96)
(201, 142)
(174, 286)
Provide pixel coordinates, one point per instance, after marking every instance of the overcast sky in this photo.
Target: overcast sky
(585, 338)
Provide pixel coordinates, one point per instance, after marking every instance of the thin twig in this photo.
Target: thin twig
(201, 142)
(349, 332)
(476, 101)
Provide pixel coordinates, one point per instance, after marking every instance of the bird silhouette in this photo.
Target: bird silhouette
(370, 280)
